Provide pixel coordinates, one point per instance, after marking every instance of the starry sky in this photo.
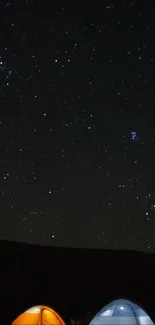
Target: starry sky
(77, 123)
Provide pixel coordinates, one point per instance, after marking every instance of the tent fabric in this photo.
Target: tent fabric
(33, 310)
(121, 312)
(39, 315)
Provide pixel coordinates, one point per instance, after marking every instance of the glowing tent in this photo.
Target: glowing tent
(39, 315)
(121, 312)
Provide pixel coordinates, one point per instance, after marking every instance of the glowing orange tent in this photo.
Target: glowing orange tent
(39, 315)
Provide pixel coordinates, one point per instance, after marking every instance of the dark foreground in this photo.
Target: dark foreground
(72, 281)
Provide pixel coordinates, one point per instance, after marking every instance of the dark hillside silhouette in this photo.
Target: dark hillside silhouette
(72, 281)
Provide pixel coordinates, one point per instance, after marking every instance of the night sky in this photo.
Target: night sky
(77, 123)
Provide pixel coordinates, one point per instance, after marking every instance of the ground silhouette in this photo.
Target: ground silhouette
(72, 281)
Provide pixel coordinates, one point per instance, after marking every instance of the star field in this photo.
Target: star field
(77, 124)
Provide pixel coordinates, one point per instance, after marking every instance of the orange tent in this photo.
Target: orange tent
(39, 315)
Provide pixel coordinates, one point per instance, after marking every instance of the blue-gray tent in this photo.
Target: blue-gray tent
(121, 312)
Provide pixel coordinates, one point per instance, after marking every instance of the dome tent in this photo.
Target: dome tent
(39, 315)
(121, 312)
